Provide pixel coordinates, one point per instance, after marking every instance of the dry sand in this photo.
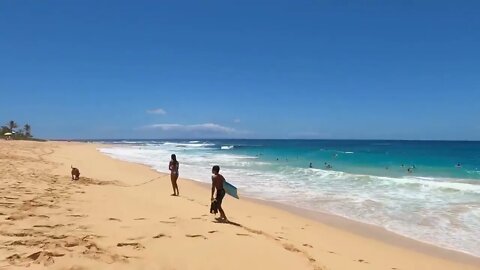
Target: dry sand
(116, 218)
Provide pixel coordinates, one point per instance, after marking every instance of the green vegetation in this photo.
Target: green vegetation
(11, 131)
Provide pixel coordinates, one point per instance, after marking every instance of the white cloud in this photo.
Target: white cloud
(204, 128)
(157, 111)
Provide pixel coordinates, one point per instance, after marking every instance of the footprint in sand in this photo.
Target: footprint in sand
(307, 245)
(160, 235)
(77, 215)
(57, 237)
(140, 218)
(17, 234)
(135, 238)
(90, 237)
(72, 243)
(243, 234)
(114, 219)
(362, 261)
(40, 257)
(95, 252)
(135, 245)
(291, 248)
(167, 222)
(28, 243)
(196, 236)
(17, 217)
(48, 226)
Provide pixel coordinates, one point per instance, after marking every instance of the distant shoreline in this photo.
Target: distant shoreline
(278, 139)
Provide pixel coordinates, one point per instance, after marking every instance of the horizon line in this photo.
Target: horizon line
(278, 139)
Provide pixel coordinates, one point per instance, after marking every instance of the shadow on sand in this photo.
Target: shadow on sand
(228, 222)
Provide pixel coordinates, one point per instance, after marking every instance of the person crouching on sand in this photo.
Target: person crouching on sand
(217, 184)
(173, 167)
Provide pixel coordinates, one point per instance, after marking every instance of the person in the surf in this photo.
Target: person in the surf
(173, 167)
(217, 184)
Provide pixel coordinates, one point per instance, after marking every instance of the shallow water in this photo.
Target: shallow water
(437, 202)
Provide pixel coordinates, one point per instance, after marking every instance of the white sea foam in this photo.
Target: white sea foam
(186, 145)
(474, 172)
(340, 152)
(227, 147)
(441, 211)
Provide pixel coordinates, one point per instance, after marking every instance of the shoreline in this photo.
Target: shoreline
(353, 226)
(376, 233)
(356, 227)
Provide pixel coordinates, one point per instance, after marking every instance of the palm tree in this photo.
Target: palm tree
(12, 125)
(28, 130)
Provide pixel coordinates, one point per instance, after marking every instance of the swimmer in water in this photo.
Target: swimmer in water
(311, 165)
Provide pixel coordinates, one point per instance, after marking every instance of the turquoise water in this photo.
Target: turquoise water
(436, 201)
(385, 158)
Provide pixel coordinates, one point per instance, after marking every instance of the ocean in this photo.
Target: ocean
(424, 190)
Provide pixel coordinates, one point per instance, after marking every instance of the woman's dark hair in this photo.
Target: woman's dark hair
(174, 157)
(216, 168)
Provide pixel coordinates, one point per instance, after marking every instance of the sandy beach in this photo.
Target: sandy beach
(120, 215)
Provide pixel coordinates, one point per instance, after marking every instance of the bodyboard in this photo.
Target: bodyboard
(230, 189)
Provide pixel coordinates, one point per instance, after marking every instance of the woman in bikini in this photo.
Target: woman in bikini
(173, 167)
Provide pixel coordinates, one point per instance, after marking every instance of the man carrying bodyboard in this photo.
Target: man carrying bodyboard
(217, 184)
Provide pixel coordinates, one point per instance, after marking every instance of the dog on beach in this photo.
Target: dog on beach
(75, 173)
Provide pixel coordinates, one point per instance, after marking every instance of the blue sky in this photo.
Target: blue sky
(242, 69)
